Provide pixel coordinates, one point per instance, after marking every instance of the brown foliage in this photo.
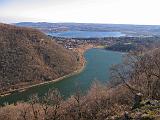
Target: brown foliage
(140, 72)
(29, 56)
(98, 104)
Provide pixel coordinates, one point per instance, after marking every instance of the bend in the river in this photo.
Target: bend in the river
(97, 67)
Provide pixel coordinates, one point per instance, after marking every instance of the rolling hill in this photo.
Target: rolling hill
(28, 56)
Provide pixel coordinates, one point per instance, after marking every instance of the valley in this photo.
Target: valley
(79, 60)
(72, 69)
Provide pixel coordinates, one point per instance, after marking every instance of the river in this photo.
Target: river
(97, 67)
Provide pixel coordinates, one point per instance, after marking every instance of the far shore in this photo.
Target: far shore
(81, 50)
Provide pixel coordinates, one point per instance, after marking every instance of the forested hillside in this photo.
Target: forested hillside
(28, 56)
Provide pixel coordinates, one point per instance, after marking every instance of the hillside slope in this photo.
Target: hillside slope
(27, 56)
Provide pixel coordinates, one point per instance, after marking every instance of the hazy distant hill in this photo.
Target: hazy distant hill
(130, 30)
(27, 55)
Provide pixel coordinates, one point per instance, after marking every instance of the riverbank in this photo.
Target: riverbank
(82, 62)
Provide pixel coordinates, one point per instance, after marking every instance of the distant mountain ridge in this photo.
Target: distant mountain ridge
(132, 30)
(28, 55)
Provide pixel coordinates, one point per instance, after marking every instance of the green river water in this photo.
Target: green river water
(97, 67)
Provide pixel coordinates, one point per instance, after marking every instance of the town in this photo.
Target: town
(124, 44)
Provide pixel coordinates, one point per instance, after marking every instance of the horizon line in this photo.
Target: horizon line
(87, 23)
(81, 23)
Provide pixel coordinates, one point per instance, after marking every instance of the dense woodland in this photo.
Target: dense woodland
(126, 44)
(28, 56)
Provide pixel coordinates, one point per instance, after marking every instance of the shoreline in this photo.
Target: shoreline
(80, 68)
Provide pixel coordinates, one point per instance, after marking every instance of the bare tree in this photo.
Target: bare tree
(24, 112)
(139, 72)
(33, 101)
(51, 103)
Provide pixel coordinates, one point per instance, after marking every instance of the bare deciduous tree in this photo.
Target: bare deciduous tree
(33, 101)
(139, 72)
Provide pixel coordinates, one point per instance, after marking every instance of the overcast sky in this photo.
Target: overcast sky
(81, 11)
